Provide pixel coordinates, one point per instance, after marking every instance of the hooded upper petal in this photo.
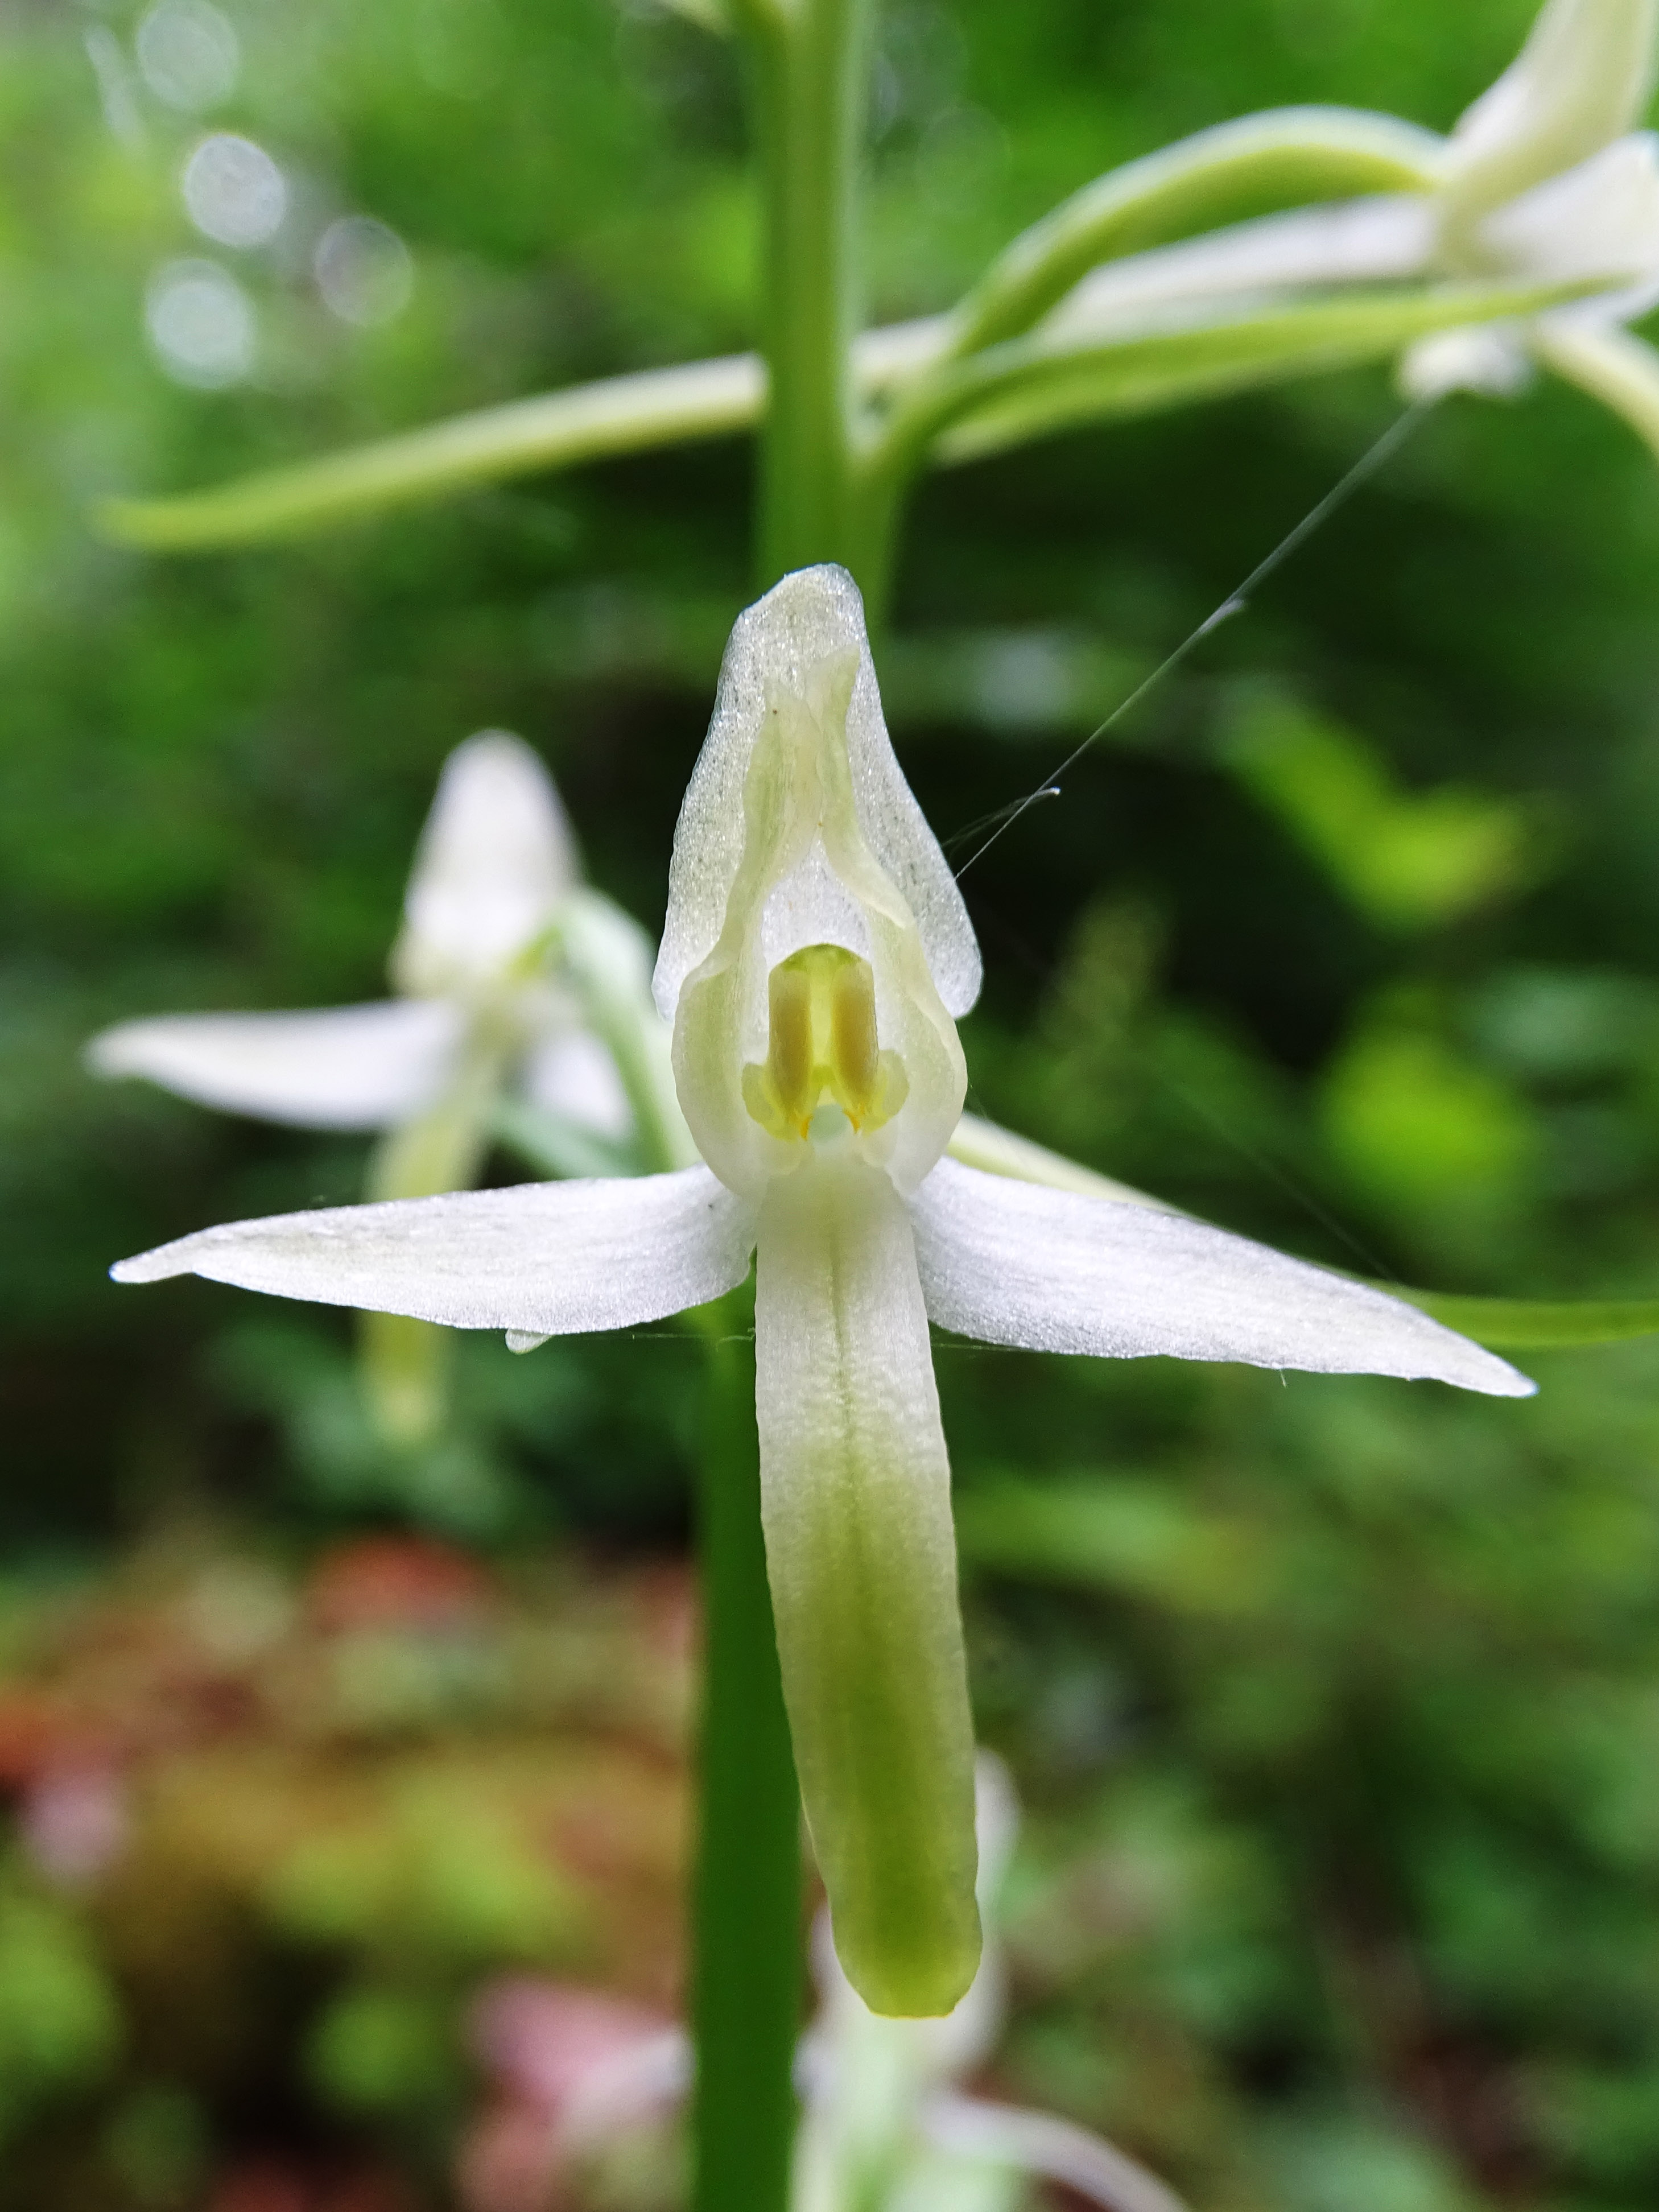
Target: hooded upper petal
(347, 1067)
(799, 838)
(812, 618)
(495, 859)
(542, 1259)
(1012, 1263)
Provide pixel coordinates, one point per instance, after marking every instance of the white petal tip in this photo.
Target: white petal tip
(523, 1340)
(147, 1268)
(1499, 1380)
(103, 1054)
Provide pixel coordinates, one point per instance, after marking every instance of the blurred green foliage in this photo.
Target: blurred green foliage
(1335, 1701)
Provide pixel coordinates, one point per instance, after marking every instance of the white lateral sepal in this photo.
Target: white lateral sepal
(347, 1067)
(1012, 1263)
(541, 1259)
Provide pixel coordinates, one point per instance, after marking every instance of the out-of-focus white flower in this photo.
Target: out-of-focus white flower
(523, 995)
(1546, 179)
(495, 872)
(1546, 176)
(815, 956)
(885, 2124)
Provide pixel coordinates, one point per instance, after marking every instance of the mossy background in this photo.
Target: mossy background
(1335, 1703)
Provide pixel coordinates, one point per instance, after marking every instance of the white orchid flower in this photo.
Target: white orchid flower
(816, 956)
(490, 1030)
(1546, 179)
(495, 870)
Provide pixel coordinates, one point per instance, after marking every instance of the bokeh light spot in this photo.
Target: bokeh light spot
(201, 323)
(364, 270)
(234, 191)
(188, 53)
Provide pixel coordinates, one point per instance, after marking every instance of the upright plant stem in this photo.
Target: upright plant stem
(747, 1904)
(808, 62)
(807, 66)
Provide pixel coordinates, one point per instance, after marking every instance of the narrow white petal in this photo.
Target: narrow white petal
(542, 1259)
(1353, 241)
(1057, 2150)
(808, 619)
(496, 858)
(1582, 79)
(1621, 371)
(572, 1073)
(1012, 1263)
(855, 1497)
(349, 1067)
(1600, 219)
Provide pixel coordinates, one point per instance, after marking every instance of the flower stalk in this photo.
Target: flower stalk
(746, 1897)
(808, 63)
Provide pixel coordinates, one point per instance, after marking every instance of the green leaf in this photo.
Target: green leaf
(1408, 859)
(1536, 1324)
(586, 422)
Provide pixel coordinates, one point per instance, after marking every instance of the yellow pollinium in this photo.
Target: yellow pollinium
(822, 1044)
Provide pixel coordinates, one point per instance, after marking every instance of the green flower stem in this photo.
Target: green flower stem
(1535, 1324)
(1029, 387)
(558, 429)
(404, 1364)
(1283, 157)
(808, 64)
(607, 957)
(746, 1977)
